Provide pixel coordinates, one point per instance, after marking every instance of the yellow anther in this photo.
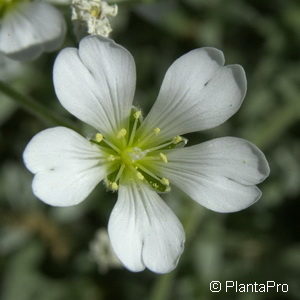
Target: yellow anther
(98, 137)
(111, 157)
(155, 185)
(177, 139)
(137, 114)
(140, 176)
(114, 186)
(122, 133)
(95, 12)
(165, 181)
(163, 157)
(156, 130)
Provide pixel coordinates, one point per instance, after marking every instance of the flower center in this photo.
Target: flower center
(128, 157)
(6, 5)
(131, 155)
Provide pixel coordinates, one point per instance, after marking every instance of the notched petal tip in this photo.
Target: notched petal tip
(167, 266)
(98, 37)
(240, 78)
(60, 63)
(220, 174)
(96, 83)
(88, 40)
(154, 237)
(262, 163)
(215, 54)
(198, 93)
(66, 166)
(264, 168)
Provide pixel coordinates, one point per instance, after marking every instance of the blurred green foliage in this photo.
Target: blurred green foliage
(45, 251)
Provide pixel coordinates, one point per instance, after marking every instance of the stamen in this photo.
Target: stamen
(137, 114)
(163, 157)
(112, 179)
(165, 181)
(114, 186)
(136, 117)
(98, 137)
(120, 172)
(151, 158)
(156, 131)
(159, 147)
(177, 139)
(139, 175)
(159, 184)
(148, 172)
(122, 133)
(169, 145)
(111, 145)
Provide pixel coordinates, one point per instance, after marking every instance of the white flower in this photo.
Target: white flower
(94, 15)
(141, 158)
(29, 28)
(102, 252)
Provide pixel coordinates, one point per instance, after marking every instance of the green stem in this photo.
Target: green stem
(35, 108)
(162, 287)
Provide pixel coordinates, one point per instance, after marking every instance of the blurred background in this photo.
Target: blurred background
(49, 253)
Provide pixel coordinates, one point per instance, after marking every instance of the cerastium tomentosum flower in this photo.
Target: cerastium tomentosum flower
(141, 158)
(94, 15)
(28, 28)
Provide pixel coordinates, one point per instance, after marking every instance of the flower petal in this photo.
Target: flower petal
(66, 166)
(197, 93)
(219, 174)
(96, 83)
(144, 232)
(30, 29)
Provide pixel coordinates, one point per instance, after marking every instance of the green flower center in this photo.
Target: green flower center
(6, 5)
(128, 157)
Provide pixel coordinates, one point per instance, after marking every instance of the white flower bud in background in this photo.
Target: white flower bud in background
(29, 28)
(102, 252)
(92, 15)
